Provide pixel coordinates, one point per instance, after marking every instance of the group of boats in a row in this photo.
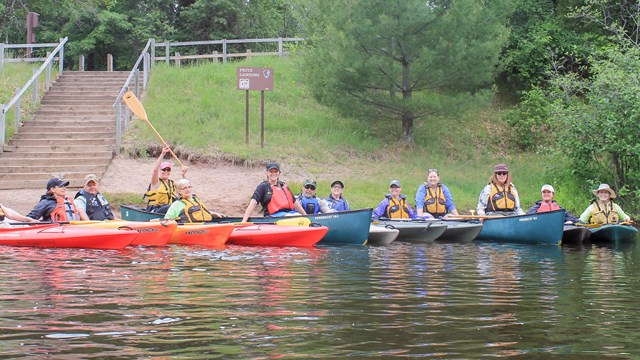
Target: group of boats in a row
(139, 227)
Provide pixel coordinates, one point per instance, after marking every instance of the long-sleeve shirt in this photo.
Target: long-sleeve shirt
(483, 201)
(586, 215)
(422, 193)
(381, 209)
(567, 215)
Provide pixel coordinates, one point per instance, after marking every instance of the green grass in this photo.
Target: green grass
(15, 76)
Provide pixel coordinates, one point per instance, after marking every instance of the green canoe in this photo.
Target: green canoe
(543, 228)
(613, 233)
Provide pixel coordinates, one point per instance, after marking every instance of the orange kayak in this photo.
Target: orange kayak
(275, 235)
(150, 233)
(201, 234)
(67, 236)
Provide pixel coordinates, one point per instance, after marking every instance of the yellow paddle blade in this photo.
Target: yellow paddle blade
(300, 221)
(135, 105)
(591, 226)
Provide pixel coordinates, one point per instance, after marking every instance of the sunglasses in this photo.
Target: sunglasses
(502, 173)
(310, 187)
(433, 170)
(166, 170)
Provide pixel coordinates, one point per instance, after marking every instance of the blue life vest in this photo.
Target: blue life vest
(310, 205)
(338, 205)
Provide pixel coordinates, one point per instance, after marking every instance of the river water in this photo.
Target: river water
(445, 301)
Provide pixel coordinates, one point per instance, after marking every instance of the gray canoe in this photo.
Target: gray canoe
(381, 235)
(459, 231)
(415, 230)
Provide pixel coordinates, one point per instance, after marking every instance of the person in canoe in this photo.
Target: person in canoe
(189, 208)
(90, 202)
(394, 205)
(274, 196)
(161, 192)
(55, 205)
(309, 201)
(500, 196)
(603, 210)
(7, 213)
(336, 201)
(548, 204)
(434, 197)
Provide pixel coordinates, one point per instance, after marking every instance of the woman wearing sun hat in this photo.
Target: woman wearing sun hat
(500, 196)
(548, 204)
(602, 210)
(161, 192)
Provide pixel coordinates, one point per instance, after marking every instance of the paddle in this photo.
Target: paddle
(300, 221)
(475, 216)
(136, 107)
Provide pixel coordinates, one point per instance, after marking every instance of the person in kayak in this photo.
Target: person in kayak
(7, 213)
(55, 206)
(434, 197)
(500, 196)
(548, 204)
(394, 205)
(90, 202)
(189, 208)
(274, 196)
(603, 210)
(336, 201)
(309, 201)
(161, 192)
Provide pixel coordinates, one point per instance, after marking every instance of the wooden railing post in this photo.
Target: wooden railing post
(1, 56)
(81, 63)
(177, 59)
(152, 49)
(17, 117)
(35, 88)
(109, 62)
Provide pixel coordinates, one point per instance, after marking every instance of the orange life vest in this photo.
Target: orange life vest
(281, 199)
(501, 199)
(435, 203)
(397, 209)
(65, 210)
(545, 206)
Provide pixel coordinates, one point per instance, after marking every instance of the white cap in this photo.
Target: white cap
(547, 187)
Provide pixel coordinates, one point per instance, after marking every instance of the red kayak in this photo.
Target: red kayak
(67, 236)
(150, 233)
(275, 235)
(201, 234)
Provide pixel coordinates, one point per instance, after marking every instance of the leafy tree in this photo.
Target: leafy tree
(402, 59)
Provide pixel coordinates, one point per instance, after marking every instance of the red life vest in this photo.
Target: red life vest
(281, 199)
(65, 210)
(545, 206)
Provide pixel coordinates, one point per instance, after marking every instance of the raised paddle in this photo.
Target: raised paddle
(136, 107)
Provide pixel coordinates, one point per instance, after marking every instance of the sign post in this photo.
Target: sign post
(254, 78)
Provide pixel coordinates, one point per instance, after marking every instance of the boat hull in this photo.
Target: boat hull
(154, 233)
(572, 234)
(613, 233)
(380, 235)
(415, 230)
(133, 213)
(459, 231)
(537, 228)
(274, 235)
(212, 235)
(67, 236)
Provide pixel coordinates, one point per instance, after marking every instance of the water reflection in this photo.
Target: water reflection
(476, 300)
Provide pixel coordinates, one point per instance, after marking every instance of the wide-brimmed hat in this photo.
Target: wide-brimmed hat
(604, 187)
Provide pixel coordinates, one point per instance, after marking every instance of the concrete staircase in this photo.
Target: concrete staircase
(71, 135)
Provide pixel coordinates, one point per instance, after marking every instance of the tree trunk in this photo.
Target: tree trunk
(407, 130)
(407, 116)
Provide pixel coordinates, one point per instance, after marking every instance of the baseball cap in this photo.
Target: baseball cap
(547, 187)
(56, 182)
(338, 182)
(501, 168)
(165, 165)
(273, 165)
(395, 182)
(90, 177)
(309, 182)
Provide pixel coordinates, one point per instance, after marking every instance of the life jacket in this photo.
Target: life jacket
(164, 194)
(501, 199)
(98, 207)
(397, 209)
(65, 210)
(338, 205)
(310, 205)
(545, 206)
(1, 214)
(434, 203)
(194, 211)
(281, 199)
(601, 216)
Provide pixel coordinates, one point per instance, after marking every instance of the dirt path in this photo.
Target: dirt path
(223, 188)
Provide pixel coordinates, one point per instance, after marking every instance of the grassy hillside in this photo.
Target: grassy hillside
(198, 109)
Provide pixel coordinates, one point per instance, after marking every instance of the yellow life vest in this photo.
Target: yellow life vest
(434, 203)
(194, 211)
(397, 209)
(164, 194)
(1, 214)
(501, 199)
(601, 216)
